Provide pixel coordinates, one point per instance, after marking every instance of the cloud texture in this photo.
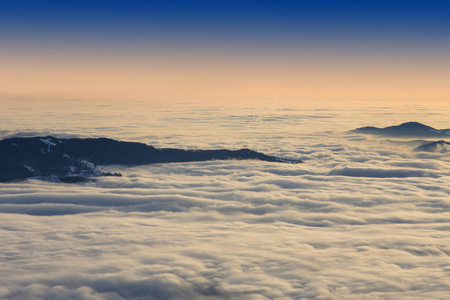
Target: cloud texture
(363, 218)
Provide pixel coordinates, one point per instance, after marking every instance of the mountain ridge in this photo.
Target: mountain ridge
(78, 159)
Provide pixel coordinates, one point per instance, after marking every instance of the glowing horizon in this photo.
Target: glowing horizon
(200, 51)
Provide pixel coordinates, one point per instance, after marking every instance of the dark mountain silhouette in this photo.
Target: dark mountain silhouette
(71, 160)
(439, 146)
(409, 129)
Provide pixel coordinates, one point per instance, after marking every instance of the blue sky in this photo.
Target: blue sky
(227, 21)
(142, 49)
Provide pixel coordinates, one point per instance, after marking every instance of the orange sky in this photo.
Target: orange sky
(221, 75)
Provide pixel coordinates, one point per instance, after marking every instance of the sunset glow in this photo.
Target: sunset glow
(212, 149)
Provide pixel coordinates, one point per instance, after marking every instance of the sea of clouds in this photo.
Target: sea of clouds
(362, 218)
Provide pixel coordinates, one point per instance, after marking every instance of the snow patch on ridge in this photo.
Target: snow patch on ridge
(49, 144)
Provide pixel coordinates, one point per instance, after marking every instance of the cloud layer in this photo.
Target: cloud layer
(363, 218)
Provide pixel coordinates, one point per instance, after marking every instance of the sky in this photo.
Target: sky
(225, 50)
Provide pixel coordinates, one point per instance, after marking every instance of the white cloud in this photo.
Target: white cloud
(361, 219)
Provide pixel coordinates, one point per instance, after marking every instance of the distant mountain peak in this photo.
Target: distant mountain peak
(440, 146)
(408, 129)
(414, 125)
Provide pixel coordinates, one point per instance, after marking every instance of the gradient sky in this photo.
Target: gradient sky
(222, 50)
